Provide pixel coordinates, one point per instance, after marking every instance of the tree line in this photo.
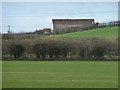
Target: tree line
(68, 49)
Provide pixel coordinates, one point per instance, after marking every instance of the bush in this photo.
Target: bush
(40, 50)
(79, 49)
(59, 49)
(51, 49)
(17, 50)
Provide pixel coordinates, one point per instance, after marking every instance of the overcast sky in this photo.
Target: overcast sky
(29, 16)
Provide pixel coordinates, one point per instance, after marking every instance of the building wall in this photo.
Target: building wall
(60, 25)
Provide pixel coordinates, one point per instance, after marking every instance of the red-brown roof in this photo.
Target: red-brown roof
(67, 20)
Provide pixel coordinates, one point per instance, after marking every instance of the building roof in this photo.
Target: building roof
(68, 20)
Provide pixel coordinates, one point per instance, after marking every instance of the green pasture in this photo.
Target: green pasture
(107, 33)
(60, 74)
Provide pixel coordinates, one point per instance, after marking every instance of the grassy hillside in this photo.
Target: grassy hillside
(107, 32)
(101, 32)
(60, 74)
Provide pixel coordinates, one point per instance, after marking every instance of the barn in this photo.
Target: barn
(61, 25)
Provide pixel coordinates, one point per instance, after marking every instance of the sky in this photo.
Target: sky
(29, 16)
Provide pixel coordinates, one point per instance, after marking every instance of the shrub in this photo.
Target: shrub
(40, 50)
(17, 50)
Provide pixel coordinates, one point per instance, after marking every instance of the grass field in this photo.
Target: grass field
(107, 32)
(100, 32)
(60, 74)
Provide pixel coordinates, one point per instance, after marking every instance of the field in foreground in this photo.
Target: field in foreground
(60, 74)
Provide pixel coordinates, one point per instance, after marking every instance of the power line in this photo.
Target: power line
(64, 13)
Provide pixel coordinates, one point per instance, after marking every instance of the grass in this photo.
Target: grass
(107, 32)
(64, 74)
(101, 32)
(60, 74)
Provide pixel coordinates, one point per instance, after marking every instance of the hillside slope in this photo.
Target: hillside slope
(108, 32)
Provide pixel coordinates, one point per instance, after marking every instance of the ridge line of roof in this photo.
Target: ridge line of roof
(54, 20)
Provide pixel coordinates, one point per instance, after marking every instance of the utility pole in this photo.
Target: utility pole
(9, 31)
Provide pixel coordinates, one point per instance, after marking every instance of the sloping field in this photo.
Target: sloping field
(101, 32)
(107, 32)
(60, 74)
